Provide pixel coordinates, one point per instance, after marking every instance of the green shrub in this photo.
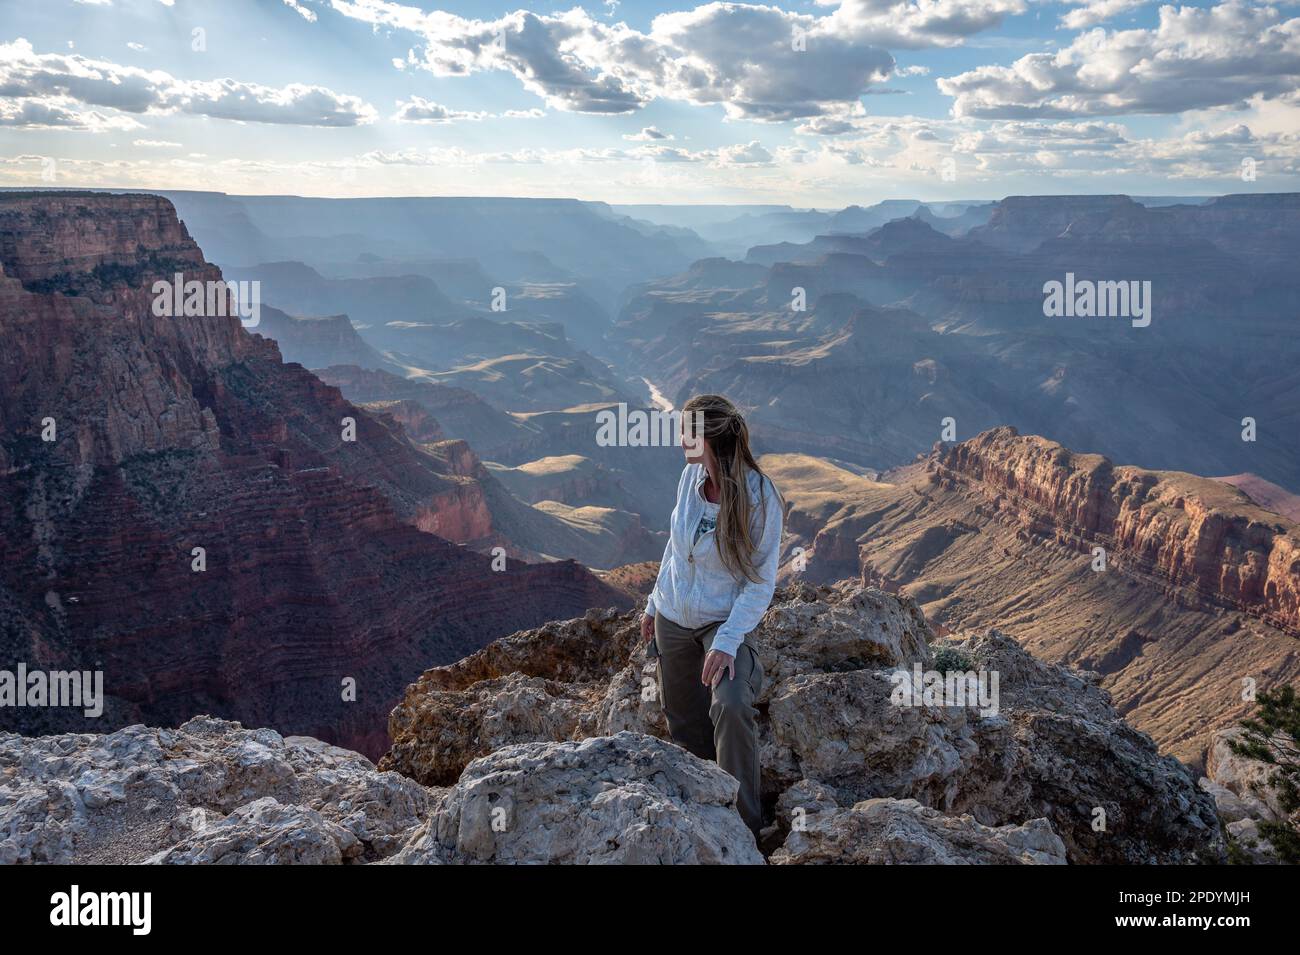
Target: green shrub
(952, 660)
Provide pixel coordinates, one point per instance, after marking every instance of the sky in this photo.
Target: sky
(811, 103)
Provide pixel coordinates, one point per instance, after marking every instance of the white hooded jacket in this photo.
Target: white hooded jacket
(694, 588)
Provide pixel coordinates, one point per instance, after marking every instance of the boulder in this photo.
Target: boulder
(903, 832)
(1245, 778)
(550, 683)
(208, 791)
(1069, 757)
(842, 729)
(626, 798)
(1240, 788)
(262, 832)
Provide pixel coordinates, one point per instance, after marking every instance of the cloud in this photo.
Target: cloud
(997, 151)
(304, 12)
(741, 154)
(826, 126)
(884, 155)
(845, 120)
(417, 110)
(60, 113)
(1194, 59)
(749, 154)
(648, 134)
(924, 23)
(155, 144)
(55, 78)
(1092, 12)
(1007, 147)
(669, 154)
(296, 104)
(742, 57)
(792, 155)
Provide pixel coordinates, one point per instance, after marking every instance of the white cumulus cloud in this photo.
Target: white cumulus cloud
(29, 80)
(1195, 58)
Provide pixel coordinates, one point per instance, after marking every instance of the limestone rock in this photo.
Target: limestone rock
(1245, 834)
(456, 727)
(1240, 788)
(903, 832)
(209, 791)
(626, 798)
(611, 680)
(1245, 778)
(841, 728)
(550, 740)
(566, 680)
(263, 832)
(831, 733)
(1230, 806)
(1073, 755)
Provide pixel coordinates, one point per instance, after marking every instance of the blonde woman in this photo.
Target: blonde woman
(714, 585)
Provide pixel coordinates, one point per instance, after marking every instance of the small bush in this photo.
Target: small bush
(952, 660)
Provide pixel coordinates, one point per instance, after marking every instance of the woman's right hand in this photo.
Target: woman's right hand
(647, 627)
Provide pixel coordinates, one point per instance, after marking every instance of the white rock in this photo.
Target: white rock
(903, 832)
(627, 798)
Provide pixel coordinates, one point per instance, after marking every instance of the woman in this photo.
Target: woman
(714, 585)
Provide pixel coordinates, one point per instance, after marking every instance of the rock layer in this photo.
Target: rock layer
(1181, 530)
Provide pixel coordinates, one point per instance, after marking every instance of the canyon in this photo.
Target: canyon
(1200, 589)
(317, 596)
(905, 326)
(447, 596)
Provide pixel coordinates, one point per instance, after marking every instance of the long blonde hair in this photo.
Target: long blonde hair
(724, 428)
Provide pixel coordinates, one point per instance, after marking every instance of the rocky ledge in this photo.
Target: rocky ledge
(209, 791)
(547, 746)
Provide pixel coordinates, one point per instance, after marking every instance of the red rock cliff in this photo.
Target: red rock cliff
(1193, 535)
(176, 433)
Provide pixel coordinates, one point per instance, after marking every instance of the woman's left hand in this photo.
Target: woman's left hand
(715, 664)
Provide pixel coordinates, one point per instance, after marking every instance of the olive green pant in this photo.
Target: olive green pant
(715, 723)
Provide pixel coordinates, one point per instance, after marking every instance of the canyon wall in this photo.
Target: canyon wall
(128, 440)
(1196, 602)
(1194, 536)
